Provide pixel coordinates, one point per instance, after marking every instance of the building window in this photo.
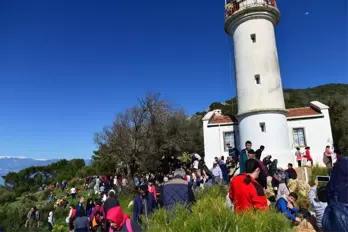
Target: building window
(228, 138)
(253, 38)
(257, 79)
(299, 137)
(263, 127)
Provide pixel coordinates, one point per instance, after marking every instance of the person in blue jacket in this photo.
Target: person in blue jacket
(79, 206)
(144, 203)
(286, 205)
(244, 156)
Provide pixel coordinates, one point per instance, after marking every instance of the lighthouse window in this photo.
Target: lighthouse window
(299, 137)
(257, 79)
(262, 127)
(253, 38)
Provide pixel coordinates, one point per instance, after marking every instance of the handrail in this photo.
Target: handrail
(232, 6)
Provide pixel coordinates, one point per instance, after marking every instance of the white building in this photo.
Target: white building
(261, 109)
(307, 126)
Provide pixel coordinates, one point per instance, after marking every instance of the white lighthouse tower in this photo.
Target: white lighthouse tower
(261, 108)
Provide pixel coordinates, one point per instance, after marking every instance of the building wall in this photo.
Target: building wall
(214, 142)
(257, 58)
(318, 135)
(275, 138)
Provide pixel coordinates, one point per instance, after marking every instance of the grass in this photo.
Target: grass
(208, 214)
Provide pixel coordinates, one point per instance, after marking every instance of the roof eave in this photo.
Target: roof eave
(306, 116)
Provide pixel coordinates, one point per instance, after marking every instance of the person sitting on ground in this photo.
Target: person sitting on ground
(82, 222)
(245, 192)
(291, 172)
(177, 191)
(286, 205)
(144, 204)
(120, 221)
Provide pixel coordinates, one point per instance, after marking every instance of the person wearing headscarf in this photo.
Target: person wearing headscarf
(120, 221)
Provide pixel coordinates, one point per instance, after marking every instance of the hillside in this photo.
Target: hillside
(333, 95)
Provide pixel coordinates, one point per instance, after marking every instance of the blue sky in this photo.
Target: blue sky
(67, 67)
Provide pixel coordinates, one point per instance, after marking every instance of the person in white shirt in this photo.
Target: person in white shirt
(124, 182)
(217, 173)
(73, 192)
(50, 221)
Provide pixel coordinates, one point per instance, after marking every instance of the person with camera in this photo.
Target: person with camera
(318, 204)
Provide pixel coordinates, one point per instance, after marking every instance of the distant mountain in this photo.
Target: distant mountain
(17, 163)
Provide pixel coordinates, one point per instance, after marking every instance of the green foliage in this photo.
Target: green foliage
(318, 171)
(30, 179)
(210, 214)
(333, 95)
(6, 196)
(141, 136)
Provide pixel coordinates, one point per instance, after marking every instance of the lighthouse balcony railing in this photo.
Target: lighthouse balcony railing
(233, 6)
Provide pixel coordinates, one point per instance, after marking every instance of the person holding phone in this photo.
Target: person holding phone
(319, 203)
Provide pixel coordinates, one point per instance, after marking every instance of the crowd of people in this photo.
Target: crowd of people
(327, 208)
(158, 190)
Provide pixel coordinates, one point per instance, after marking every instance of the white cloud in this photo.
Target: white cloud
(307, 13)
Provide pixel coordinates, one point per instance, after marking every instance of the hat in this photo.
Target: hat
(112, 191)
(214, 163)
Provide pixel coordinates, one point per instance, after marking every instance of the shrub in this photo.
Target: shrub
(7, 197)
(318, 171)
(45, 194)
(210, 214)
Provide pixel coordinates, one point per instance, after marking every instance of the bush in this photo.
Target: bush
(318, 171)
(210, 214)
(45, 194)
(7, 197)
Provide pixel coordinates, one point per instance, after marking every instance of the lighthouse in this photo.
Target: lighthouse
(261, 109)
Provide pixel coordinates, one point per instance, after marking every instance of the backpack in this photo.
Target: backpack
(335, 217)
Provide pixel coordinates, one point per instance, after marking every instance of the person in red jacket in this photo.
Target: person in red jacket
(308, 155)
(245, 192)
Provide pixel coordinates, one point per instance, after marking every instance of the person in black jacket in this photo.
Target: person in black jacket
(177, 191)
(110, 202)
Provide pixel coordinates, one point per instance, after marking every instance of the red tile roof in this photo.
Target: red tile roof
(217, 119)
(300, 112)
